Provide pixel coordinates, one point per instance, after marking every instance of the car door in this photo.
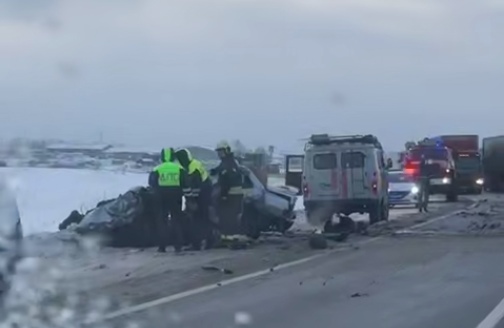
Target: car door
(294, 171)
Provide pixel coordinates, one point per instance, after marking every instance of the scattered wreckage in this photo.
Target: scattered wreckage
(127, 221)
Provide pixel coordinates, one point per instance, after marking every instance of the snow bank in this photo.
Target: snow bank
(46, 196)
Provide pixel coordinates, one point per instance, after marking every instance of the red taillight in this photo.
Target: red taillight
(410, 167)
(374, 183)
(374, 187)
(306, 189)
(409, 171)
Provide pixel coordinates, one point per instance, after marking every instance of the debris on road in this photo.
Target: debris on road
(486, 216)
(318, 241)
(359, 295)
(216, 269)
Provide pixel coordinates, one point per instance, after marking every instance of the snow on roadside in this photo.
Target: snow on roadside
(46, 196)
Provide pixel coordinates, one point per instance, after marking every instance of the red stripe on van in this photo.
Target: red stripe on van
(345, 183)
(334, 179)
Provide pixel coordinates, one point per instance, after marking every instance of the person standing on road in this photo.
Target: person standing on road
(198, 194)
(424, 183)
(390, 163)
(230, 201)
(167, 181)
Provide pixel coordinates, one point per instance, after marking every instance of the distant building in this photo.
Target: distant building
(133, 154)
(94, 150)
(141, 154)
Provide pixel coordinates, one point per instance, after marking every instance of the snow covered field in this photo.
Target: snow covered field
(46, 196)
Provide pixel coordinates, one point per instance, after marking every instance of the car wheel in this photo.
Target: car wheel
(285, 226)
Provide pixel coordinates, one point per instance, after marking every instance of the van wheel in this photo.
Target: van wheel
(385, 212)
(375, 213)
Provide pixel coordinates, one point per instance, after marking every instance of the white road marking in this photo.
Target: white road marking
(203, 289)
(494, 317)
(433, 220)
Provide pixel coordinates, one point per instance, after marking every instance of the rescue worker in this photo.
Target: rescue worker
(167, 181)
(230, 200)
(424, 183)
(198, 193)
(390, 163)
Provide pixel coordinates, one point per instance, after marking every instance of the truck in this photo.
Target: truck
(441, 165)
(493, 163)
(467, 157)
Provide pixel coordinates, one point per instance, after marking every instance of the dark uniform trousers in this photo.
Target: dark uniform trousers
(169, 221)
(423, 195)
(229, 211)
(202, 226)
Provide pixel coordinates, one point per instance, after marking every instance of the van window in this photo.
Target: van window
(352, 160)
(325, 161)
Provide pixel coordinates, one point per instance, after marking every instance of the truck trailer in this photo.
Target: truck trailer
(493, 163)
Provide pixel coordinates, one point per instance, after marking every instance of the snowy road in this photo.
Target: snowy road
(249, 295)
(414, 281)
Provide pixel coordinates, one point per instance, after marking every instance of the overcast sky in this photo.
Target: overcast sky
(161, 72)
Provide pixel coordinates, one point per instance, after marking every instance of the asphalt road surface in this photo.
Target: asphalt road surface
(386, 282)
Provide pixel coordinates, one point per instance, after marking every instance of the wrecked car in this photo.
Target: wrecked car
(128, 220)
(266, 208)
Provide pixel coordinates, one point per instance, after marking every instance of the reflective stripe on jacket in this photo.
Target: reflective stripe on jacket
(196, 165)
(169, 174)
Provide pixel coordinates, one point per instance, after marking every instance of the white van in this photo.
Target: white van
(344, 175)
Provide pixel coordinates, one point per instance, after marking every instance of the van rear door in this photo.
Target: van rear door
(353, 172)
(322, 178)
